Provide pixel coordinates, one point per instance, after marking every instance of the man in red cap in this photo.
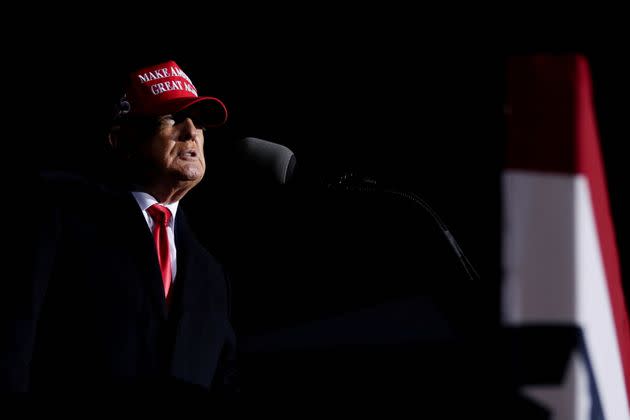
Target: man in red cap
(120, 296)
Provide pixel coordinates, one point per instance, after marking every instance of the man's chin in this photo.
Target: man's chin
(191, 174)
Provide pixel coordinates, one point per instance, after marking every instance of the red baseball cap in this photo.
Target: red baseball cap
(164, 89)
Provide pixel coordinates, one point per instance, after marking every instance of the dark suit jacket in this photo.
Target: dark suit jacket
(86, 311)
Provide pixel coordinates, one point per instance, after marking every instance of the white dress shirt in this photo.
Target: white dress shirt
(145, 201)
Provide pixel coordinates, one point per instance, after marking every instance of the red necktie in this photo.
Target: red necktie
(161, 215)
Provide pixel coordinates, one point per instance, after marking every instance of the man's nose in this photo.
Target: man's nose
(188, 130)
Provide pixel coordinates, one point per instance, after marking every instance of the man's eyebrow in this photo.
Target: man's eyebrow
(162, 118)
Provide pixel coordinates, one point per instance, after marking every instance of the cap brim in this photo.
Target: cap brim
(213, 111)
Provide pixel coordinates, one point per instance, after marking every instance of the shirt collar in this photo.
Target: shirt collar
(146, 200)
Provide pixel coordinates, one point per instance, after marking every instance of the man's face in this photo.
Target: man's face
(175, 151)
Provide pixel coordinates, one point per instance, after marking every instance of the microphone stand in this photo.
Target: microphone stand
(353, 182)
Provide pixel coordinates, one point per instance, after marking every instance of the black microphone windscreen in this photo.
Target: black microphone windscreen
(276, 159)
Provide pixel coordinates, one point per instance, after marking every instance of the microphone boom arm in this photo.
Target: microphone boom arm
(350, 182)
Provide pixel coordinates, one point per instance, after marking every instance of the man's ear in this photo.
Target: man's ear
(113, 138)
(116, 140)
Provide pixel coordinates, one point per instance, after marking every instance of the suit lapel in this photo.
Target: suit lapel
(187, 284)
(193, 316)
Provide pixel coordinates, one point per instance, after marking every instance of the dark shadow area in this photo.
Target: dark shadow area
(332, 291)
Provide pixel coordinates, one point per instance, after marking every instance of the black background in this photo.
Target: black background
(419, 109)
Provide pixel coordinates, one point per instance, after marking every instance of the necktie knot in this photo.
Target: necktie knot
(159, 214)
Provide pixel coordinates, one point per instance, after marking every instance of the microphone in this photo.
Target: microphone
(270, 159)
(353, 182)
